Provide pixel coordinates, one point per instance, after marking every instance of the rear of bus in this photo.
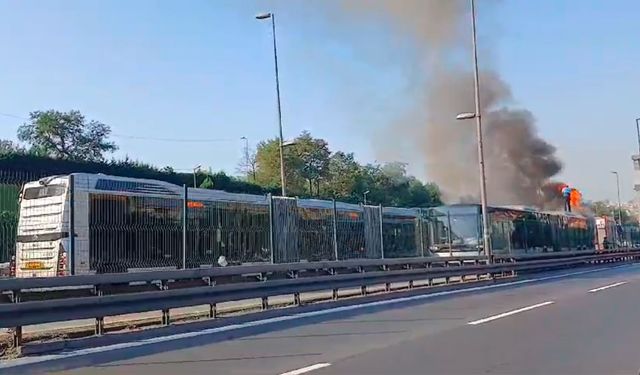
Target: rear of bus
(43, 234)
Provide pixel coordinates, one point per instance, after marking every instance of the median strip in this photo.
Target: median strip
(607, 287)
(509, 313)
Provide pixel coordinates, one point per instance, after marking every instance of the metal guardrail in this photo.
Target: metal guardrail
(21, 284)
(551, 255)
(260, 271)
(360, 273)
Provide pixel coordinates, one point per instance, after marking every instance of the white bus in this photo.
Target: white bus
(43, 228)
(125, 224)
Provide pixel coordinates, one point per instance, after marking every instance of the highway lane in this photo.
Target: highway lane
(578, 331)
(222, 308)
(585, 334)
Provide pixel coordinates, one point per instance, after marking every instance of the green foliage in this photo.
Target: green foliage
(66, 135)
(32, 165)
(313, 171)
(207, 183)
(390, 185)
(344, 178)
(247, 165)
(65, 142)
(9, 198)
(313, 161)
(222, 181)
(268, 163)
(8, 226)
(606, 208)
(168, 170)
(10, 147)
(306, 164)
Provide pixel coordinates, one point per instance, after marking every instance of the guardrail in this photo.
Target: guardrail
(28, 289)
(176, 289)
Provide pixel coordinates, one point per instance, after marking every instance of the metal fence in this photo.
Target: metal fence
(512, 230)
(131, 224)
(118, 228)
(628, 235)
(137, 232)
(10, 185)
(314, 230)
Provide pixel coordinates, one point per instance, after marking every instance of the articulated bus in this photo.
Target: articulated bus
(457, 230)
(123, 224)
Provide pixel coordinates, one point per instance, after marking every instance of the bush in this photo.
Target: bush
(31, 165)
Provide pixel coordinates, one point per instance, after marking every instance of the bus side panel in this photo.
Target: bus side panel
(81, 229)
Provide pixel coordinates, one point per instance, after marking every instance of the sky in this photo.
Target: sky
(181, 82)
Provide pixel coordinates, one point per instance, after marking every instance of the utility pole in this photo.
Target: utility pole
(247, 161)
(195, 171)
(619, 201)
(275, 57)
(483, 182)
(638, 130)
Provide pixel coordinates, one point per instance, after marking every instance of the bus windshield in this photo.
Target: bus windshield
(43, 191)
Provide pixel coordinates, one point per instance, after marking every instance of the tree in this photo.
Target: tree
(248, 165)
(386, 184)
(422, 195)
(313, 155)
(344, 180)
(168, 170)
(306, 162)
(66, 135)
(601, 208)
(389, 185)
(606, 208)
(10, 147)
(207, 183)
(312, 170)
(268, 164)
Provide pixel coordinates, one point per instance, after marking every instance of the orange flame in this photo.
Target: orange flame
(575, 198)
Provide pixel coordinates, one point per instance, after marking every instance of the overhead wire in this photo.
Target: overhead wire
(145, 138)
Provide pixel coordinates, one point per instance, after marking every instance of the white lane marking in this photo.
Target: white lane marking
(307, 369)
(509, 313)
(607, 287)
(233, 327)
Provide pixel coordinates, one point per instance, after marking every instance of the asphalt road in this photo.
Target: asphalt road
(560, 326)
(223, 308)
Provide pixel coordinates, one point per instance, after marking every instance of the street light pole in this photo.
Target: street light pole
(638, 130)
(483, 184)
(246, 156)
(619, 202)
(195, 170)
(275, 57)
(365, 197)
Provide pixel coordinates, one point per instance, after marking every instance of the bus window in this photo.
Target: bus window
(43, 192)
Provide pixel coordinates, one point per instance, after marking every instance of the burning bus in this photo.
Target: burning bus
(513, 229)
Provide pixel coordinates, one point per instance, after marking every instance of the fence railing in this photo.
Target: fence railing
(11, 183)
(115, 230)
(268, 280)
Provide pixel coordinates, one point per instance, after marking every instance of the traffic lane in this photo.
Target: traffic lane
(337, 338)
(438, 317)
(594, 333)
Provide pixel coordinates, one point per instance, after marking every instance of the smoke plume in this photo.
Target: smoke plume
(519, 164)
